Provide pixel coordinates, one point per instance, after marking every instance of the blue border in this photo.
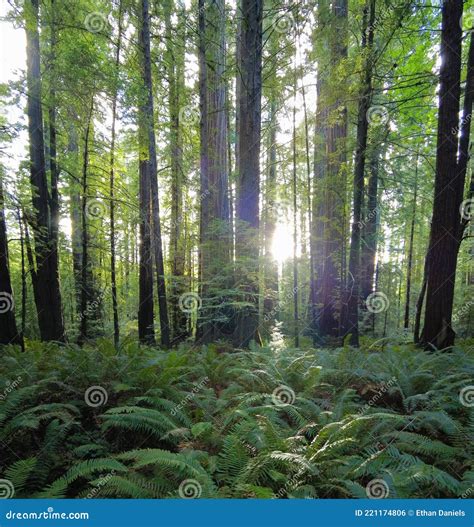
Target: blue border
(230, 513)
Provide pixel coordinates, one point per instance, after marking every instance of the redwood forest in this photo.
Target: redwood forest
(236, 249)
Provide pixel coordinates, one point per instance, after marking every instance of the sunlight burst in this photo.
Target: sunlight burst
(282, 243)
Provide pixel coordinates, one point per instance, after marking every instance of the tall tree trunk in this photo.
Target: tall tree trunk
(75, 211)
(8, 330)
(113, 270)
(48, 305)
(370, 225)
(319, 178)
(296, 330)
(317, 223)
(86, 284)
(23, 278)
(248, 190)
(270, 215)
(146, 331)
(204, 213)
(53, 163)
(269, 212)
(406, 321)
(151, 167)
(216, 232)
(175, 49)
(449, 185)
(334, 198)
(350, 313)
(309, 190)
(464, 139)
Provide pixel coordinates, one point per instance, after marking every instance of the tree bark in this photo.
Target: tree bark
(215, 317)
(406, 321)
(174, 59)
(296, 331)
(248, 191)
(449, 185)
(86, 289)
(8, 330)
(350, 314)
(113, 270)
(333, 204)
(270, 216)
(48, 304)
(151, 168)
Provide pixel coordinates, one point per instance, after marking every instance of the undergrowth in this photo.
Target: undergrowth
(264, 423)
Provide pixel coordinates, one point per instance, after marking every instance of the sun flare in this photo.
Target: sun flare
(282, 243)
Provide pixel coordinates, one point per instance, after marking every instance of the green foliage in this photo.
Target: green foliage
(218, 419)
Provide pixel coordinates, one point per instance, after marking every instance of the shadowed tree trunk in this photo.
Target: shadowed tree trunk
(370, 225)
(86, 279)
(75, 213)
(151, 168)
(113, 271)
(350, 314)
(8, 330)
(449, 185)
(406, 321)
(48, 298)
(146, 332)
(53, 164)
(248, 188)
(464, 140)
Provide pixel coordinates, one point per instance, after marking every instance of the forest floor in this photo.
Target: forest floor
(272, 422)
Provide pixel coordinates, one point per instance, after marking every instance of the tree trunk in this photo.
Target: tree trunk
(8, 330)
(174, 55)
(336, 132)
(296, 330)
(270, 217)
(449, 185)
(23, 278)
(464, 139)
(48, 305)
(406, 321)
(215, 317)
(113, 271)
(317, 224)
(248, 191)
(350, 315)
(370, 225)
(309, 190)
(151, 168)
(86, 292)
(270, 207)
